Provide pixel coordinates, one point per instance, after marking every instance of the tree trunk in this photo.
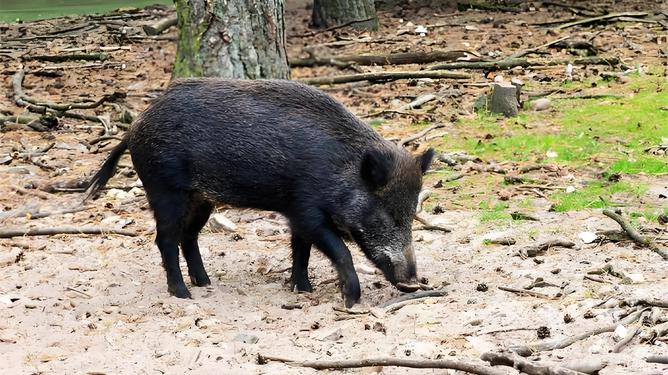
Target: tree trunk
(327, 13)
(231, 39)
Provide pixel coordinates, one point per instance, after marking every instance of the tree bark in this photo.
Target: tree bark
(360, 14)
(231, 39)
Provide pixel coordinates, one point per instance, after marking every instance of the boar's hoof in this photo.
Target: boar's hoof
(200, 280)
(351, 295)
(408, 288)
(179, 291)
(302, 286)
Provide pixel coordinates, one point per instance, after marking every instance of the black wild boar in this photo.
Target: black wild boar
(280, 146)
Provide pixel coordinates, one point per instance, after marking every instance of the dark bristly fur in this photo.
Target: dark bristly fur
(279, 146)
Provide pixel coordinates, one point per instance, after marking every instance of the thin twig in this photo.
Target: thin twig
(525, 292)
(529, 349)
(429, 226)
(20, 232)
(383, 76)
(635, 236)
(418, 135)
(623, 342)
(525, 366)
(413, 296)
(469, 367)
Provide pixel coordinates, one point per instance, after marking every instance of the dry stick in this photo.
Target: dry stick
(429, 226)
(21, 99)
(532, 251)
(524, 365)
(525, 292)
(635, 236)
(383, 76)
(413, 296)
(19, 232)
(472, 368)
(160, 26)
(509, 63)
(390, 59)
(606, 17)
(38, 213)
(418, 135)
(647, 302)
(534, 49)
(68, 106)
(529, 349)
(332, 28)
(623, 342)
(71, 57)
(663, 359)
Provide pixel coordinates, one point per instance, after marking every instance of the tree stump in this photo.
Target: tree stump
(328, 13)
(504, 99)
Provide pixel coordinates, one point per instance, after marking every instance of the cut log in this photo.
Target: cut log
(503, 99)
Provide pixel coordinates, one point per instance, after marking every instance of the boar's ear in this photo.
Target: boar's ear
(376, 168)
(425, 160)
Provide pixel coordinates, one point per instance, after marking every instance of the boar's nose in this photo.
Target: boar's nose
(406, 276)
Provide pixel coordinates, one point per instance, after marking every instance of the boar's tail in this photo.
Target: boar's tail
(107, 170)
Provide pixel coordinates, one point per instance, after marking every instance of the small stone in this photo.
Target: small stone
(541, 104)
(587, 237)
(219, 223)
(570, 189)
(246, 338)
(379, 327)
(621, 331)
(482, 287)
(331, 335)
(11, 257)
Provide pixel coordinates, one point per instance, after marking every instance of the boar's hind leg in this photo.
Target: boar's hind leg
(301, 251)
(170, 210)
(199, 212)
(334, 248)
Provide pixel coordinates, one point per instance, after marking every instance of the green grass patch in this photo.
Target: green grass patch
(596, 195)
(27, 10)
(647, 165)
(612, 133)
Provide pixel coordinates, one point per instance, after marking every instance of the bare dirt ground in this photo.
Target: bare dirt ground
(98, 304)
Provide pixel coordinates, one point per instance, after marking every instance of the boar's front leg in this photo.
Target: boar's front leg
(301, 251)
(334, 248)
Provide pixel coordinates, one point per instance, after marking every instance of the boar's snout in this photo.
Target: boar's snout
(404, 275)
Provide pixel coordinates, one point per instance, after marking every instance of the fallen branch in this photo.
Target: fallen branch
(646, 302)
(532, 251)
(38, 213)
(525, 366)
(160, 26)
(20, 232)
(418, 135)
(68, 106)
(525, 292)
(390, 59)
(332, 28)
(623, 342)
(413, 296)
(429, 226)
(469, 367)
(529, 349)
(663, 359)
(383, 76)
(509, 63)
(606, 17)
(534, 49)
(70, 57)
(635, 236)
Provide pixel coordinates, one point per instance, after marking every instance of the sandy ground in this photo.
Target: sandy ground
(98, 304)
